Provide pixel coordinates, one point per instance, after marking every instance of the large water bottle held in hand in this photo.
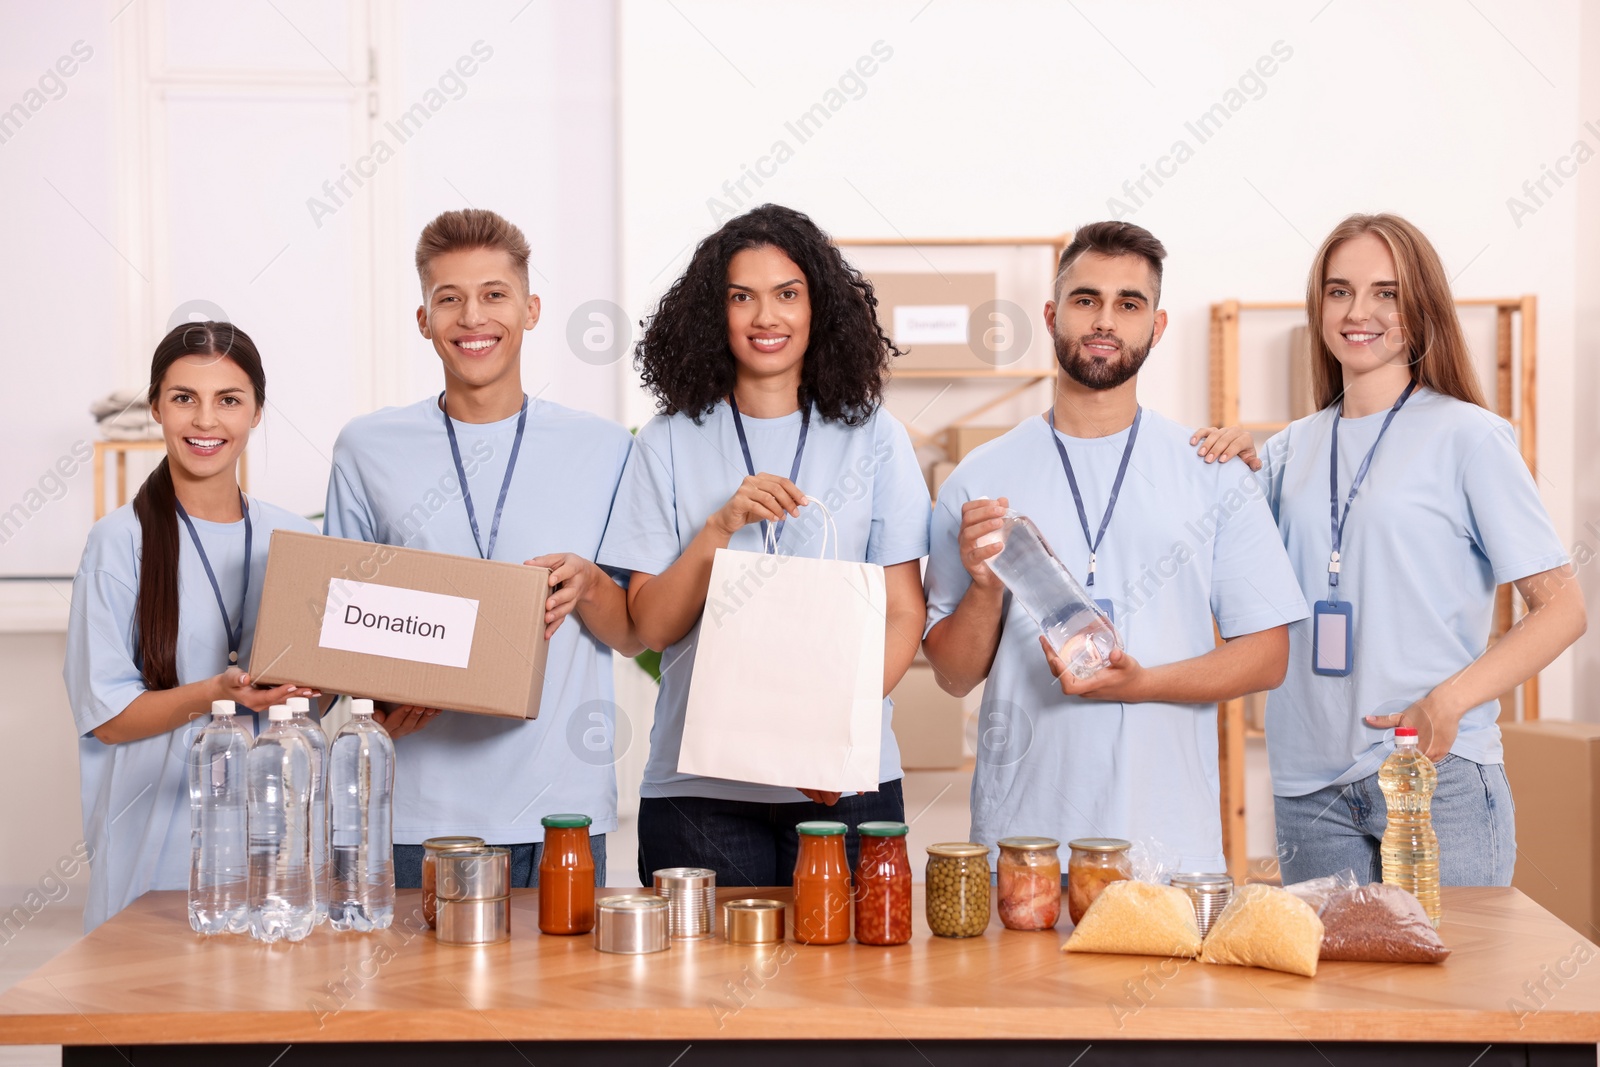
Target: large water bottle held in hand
(1410, 847)
(218, 865)
(361, 785)
(1072, 622)
(282, 905)
(311, 730)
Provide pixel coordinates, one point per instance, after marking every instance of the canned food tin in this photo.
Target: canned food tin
(473, 874)
(691, 895)
(632, 925)
(752, 921)
(1209, 893)
(431, 849)
(474, 922)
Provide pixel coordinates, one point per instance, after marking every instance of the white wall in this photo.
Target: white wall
(1027, 118)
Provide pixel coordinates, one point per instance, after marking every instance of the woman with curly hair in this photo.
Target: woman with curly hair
(767, 364)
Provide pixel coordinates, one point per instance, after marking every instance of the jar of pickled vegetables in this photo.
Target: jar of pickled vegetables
(958, 889)
(1030, 883)
(821, 914)
(883, 885)
(1095, 862)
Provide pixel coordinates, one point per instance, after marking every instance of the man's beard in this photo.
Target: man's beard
(1097, 373)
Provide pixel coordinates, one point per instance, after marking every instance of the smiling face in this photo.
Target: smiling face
(206, 407)
(475, 311)
(769, 313)
(1105, 321)
(1361, 306)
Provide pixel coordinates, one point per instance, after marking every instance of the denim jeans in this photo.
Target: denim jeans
(524, 864)
(1342, 826)
(748, 843)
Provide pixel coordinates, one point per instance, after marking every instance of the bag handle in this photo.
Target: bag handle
(770, 541)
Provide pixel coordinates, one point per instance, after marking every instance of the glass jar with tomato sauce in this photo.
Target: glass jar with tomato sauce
(821, 911)
(566, 876)
(883, 885)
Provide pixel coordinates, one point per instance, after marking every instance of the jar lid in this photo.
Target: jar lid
(1202, 883)
(565, 822)
(819, 828)
(958, 849)
(451, 844)
(1100, 844)
(1029, 844)
(883, 829)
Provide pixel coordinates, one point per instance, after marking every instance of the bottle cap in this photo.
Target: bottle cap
(1405, 731)
(222, 707)
(819, 828)
(299, 704)
(882, 829)
(565, 822)
(360, 706)
(279, 713)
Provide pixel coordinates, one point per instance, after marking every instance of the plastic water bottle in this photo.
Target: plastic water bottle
(282, 904)
(1410, 847)
(361, 784)
(311, 729)
(1072, 622)
(218, 869)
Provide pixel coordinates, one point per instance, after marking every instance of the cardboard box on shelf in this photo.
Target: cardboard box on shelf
(959, 440)
(929, 724)
(937, 474)
(1554, 770)
(399, 624)
(930, 317)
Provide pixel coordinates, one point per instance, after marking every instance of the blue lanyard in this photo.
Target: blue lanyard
(1337, 520)
(505, 484)
(1116, 486)
(749, 464)
(233, 630)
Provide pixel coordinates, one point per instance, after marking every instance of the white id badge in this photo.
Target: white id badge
(1331, 651)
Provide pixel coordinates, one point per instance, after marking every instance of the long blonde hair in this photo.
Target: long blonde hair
(1437, 348)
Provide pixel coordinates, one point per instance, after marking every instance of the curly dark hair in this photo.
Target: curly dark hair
(683, 356)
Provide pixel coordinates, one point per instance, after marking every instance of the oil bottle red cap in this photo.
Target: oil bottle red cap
(1405, 731)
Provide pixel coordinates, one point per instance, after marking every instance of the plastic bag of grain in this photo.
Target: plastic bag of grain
(1138, 919)
(1264, 926)
(1379, 924)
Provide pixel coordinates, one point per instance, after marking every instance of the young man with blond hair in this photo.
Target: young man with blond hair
(481, 469)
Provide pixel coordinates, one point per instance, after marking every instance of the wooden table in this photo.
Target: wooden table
(143, 980)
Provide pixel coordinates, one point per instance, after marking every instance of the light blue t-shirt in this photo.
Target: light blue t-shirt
(136, 795)
(1187, 542)
(394, 482)
(681, 473)
(1448, 510)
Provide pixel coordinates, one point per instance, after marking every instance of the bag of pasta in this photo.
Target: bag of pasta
(1379, 924)
(1138, 919)
(1264, 926)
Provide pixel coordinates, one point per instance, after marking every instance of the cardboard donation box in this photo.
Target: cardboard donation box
(399, 624)
(1554, 771)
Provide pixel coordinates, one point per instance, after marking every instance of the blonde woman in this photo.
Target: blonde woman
(1403, 503)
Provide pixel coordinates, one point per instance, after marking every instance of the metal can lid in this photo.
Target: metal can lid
(883, 829)
(958, 849)
(1202, 882)
(684, 878)
(631, 902)
(451, 844)
(565, 822)
(1029, 844)
(1100, 844)
(819, 828)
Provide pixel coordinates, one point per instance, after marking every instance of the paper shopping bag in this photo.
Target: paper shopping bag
(788, 673)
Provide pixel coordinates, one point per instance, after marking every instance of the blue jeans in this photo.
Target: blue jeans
(748, 843)
(1342, 826)
(524, 864)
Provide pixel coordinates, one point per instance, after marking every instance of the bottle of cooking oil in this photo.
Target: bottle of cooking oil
(1410, 848)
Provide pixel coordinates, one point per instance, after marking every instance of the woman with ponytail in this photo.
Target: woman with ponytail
(163, 611)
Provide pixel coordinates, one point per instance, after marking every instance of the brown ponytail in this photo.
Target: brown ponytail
(156, 503)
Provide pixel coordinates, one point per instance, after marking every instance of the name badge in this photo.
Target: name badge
(1105, 606)
(1331, 651)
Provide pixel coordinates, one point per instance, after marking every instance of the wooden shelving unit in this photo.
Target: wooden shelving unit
(1514, 398)
(120, 449)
